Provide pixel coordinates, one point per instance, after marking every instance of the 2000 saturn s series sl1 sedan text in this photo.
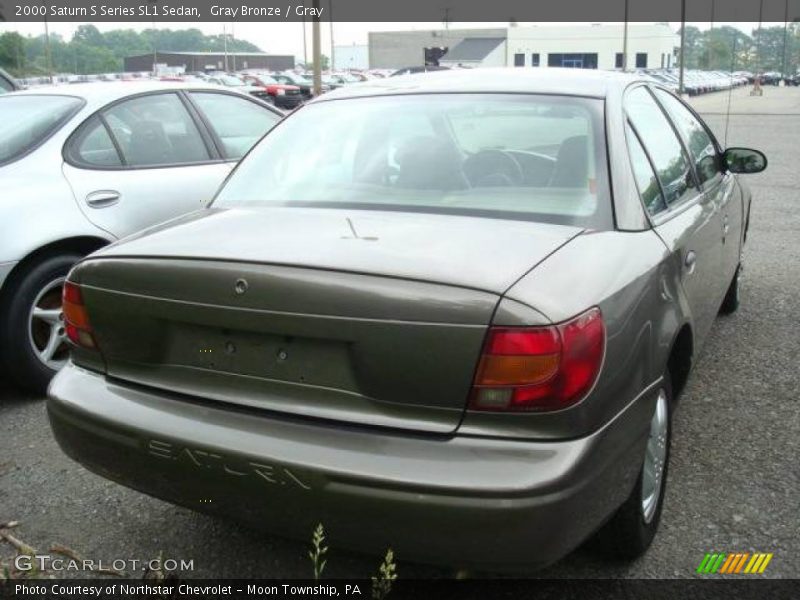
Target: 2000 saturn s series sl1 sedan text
(417, 313)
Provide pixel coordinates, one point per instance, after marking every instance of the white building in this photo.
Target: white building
(351, 57)
(598, 46)
(592, 47)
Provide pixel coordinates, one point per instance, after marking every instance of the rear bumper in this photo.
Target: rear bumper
(460, 501)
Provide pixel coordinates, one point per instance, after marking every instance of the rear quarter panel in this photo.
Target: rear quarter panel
(632, 278)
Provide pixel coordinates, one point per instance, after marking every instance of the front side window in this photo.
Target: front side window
(156, 130)
(663, 146)
(237, 122)
(510, 156)
(701, 146)
(28, 120)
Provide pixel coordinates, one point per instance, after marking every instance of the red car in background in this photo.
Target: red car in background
(281, 94)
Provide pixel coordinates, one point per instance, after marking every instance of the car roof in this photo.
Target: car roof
(101, 93)
(548, 80)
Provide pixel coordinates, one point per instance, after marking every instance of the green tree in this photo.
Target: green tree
(12, 52)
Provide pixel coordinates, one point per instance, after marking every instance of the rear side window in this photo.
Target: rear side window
(5, 85)
(27, 120)
(94, 146)
(663, 146)
(701, 146)
(156, 130)
(646, 180)
(238, 122)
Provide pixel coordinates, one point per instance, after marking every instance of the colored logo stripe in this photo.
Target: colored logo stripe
(724, 563)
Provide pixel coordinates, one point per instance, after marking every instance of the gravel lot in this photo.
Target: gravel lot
(733, 476)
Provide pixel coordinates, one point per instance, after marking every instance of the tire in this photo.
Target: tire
(630, 531)
(731, 301)
(21, 335)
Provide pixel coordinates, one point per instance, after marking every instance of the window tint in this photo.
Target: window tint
(701, 146)
(665, 150)
(237, 122)
(156, 130)
(646, 180)
(27, 120)
(538, 158)
(94, 146)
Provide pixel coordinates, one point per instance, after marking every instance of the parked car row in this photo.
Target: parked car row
(377, 311)
(697, 82)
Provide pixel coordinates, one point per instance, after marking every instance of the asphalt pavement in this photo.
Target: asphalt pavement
(734, 477)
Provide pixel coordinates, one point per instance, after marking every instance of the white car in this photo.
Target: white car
(83, 166)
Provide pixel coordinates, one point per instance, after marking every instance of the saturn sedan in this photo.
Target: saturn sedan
(448, 313)
(82, 166)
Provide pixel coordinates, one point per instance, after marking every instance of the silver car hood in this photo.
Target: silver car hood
(479, 253)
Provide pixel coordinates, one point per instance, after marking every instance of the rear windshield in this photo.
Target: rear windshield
(532, 157)
(25, 121)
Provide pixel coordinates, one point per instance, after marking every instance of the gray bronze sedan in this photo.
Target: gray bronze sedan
(449, 313)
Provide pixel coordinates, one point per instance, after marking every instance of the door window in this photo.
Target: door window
(701, 145)
(663, 146)
(238, 122)
(156, 130)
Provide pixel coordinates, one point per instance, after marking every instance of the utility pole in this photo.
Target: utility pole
(155, 47)
(625, 41)
(683, 46)
(305, 44)
(710, 35)
(333, 50)
(233, 37)
(316, 50)
(225, 45)
(785, 33)
(48, 56)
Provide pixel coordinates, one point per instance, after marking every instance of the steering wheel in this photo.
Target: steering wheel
(493, 168)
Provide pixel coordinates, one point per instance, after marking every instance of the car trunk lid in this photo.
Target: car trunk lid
(361, 323)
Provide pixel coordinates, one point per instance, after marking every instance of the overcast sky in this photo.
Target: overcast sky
(287, 38)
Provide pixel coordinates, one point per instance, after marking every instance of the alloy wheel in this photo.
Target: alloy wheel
(655, 458)
(46, 332)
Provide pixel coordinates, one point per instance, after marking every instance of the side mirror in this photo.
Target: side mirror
(744, 160)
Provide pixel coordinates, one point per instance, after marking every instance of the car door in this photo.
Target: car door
(687, 220)
(716, 181)
(141, 161)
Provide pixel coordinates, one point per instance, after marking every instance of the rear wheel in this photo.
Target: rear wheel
(33, 341)
(731, 301)
(632, 528)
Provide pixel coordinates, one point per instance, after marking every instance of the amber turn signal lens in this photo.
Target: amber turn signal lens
(516, 370)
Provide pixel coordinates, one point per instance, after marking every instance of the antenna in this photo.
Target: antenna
(730, 93)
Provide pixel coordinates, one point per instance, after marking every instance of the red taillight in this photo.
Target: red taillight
(539, 368)
(76, 319)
